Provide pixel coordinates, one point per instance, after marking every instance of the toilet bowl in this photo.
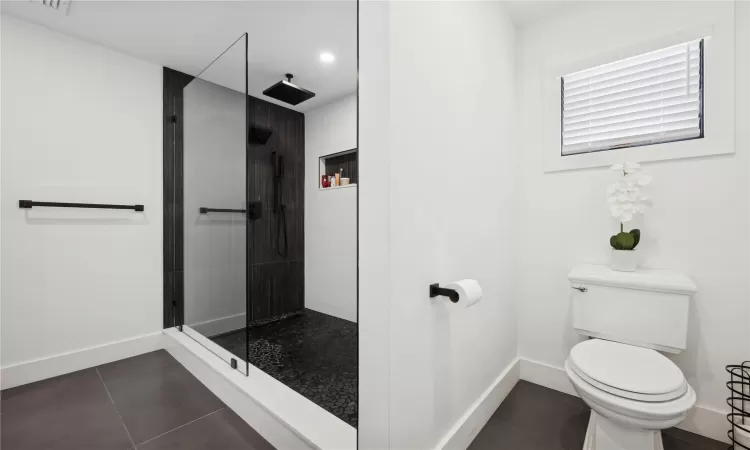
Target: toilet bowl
(633, 392)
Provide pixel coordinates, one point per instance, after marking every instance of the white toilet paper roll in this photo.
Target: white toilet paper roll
(469, 292)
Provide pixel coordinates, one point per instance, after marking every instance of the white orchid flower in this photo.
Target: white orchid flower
(625, 197)
(644, 179)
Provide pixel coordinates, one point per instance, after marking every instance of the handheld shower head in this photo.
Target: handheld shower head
(278, 165)
(279, 209)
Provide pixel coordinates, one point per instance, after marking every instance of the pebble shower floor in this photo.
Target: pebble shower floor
(313, 353)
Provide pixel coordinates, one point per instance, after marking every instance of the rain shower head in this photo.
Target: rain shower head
(287, 92)
(259, 135)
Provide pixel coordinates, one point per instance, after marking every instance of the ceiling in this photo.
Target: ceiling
(528, 12)
(283, 36)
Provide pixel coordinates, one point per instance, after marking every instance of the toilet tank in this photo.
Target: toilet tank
(647, 308)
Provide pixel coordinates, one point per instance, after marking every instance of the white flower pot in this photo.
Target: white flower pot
(624, 260)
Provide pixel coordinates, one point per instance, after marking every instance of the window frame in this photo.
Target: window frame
(716, 26)
(701, 128)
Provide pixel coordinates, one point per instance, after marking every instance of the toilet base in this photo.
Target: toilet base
(603, 434)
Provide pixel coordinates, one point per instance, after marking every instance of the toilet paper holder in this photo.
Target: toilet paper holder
(436, 290)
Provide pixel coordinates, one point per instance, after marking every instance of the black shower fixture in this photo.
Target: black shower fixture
(287, 92)
(258, 135)
(279, 208)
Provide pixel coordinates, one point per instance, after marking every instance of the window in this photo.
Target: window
(651, 98)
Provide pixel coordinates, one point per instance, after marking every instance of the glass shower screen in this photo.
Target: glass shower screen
(215, 207)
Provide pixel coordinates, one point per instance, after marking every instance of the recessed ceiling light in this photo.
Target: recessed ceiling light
(327, 57)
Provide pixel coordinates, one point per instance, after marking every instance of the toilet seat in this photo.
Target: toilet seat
(634, 413)
(627, 371)
(608, 377)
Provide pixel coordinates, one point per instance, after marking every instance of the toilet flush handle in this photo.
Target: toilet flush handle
(580, 288)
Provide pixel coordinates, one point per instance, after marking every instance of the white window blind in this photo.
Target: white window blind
(650, 98)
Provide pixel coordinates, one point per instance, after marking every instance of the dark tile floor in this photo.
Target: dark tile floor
(313, 353)
(533, 417)
(149, 402)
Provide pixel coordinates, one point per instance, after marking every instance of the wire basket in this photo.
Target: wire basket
(739, 404)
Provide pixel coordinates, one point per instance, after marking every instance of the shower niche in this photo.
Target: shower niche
(342, 163)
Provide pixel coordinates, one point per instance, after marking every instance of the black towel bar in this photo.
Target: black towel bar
(28, 204)
(204, 210)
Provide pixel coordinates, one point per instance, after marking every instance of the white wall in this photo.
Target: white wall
(331, 214)
(214, 177)
(439, 103)
(699, 223)
(373, 432)
(81, 123)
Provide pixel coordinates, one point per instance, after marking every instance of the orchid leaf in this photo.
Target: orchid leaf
(636, 233)
(625, 241)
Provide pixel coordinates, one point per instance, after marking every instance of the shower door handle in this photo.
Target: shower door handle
(254, 210)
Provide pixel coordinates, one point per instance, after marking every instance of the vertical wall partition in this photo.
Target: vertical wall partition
(210, 197)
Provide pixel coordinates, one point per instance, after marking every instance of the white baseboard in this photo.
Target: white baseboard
(708, 422)
(283, 417)
(41, 369)
(221, 325)
(474, 419)
(545, 375)
(702, 420)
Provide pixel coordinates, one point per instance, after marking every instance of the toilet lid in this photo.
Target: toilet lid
(628, 371)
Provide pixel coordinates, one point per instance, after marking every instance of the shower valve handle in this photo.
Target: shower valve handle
(254, 210)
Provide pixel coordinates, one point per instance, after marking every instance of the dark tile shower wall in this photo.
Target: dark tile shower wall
(174, 82)
(277, 282)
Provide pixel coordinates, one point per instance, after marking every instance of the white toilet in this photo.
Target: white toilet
(633, 390)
